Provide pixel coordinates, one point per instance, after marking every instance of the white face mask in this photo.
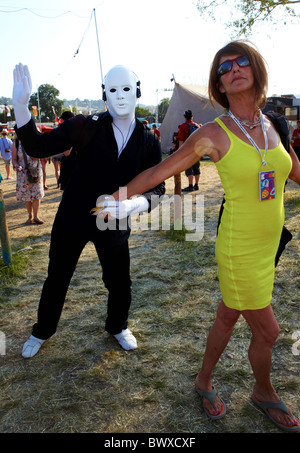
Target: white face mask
(120, 89)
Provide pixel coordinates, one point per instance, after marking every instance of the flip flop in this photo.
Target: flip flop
(210, 395)
(265, 405)
(29, 222)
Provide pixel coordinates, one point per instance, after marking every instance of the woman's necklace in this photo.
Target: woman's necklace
(237, 121)
(250, 124)
(266, 178)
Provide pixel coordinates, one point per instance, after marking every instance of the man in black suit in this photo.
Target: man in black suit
(113, 147)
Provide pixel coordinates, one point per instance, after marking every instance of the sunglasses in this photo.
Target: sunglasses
(226, 66)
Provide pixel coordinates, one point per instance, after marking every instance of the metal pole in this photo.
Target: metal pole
(5, 244)
(38, 99)
(156, 113)
(94, 11)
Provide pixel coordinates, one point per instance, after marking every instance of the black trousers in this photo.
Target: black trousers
(65, 250)
(194, 170)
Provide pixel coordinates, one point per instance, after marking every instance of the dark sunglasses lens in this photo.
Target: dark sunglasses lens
(243, 61)
(224, 67)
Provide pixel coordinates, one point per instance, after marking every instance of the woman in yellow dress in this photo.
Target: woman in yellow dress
(253, 166)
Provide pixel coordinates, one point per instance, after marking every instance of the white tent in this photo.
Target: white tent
(186, 97)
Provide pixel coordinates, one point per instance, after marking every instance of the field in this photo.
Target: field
(83, 382)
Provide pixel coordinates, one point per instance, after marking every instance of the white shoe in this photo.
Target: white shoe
(31, 347)
(126, 339)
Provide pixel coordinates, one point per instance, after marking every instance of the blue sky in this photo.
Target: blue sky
(156, 39)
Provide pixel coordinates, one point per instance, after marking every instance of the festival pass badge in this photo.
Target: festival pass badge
(266, 185)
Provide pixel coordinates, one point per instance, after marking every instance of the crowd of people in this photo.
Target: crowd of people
(30, 191)
(114, 151)
(31, 173)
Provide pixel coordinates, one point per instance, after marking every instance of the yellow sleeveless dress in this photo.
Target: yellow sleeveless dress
(250, 229)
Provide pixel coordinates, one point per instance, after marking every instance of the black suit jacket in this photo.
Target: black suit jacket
(98, 170)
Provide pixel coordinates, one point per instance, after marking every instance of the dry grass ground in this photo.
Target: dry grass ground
(82, 382)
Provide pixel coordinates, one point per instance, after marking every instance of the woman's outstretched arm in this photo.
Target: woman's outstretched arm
(188, 154)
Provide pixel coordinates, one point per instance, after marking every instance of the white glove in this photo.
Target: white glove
(121, 209)
(21, 93)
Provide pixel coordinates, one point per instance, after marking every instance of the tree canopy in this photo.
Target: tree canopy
(162, 109)
(142, 112)
(47, 100)
(250, 12)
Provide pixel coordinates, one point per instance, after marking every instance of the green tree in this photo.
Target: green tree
(5, 100)
(142, 112)
(250, 12)
(47, 100)
(162, 109)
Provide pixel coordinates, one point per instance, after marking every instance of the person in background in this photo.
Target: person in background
(56, 160)
(156, 131)
(5, 148)
(185, 130)
(44, 164)
(44, 161)
(175, 142)
(296, 139)
(30, 193)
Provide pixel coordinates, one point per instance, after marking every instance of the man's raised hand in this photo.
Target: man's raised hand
(21, 93)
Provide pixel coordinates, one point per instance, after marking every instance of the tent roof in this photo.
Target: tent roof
(197, 90)
(186, 97)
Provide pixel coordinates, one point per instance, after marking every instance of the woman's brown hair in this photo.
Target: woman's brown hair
(258, 67)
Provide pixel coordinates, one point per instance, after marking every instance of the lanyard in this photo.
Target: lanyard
(250, 138)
